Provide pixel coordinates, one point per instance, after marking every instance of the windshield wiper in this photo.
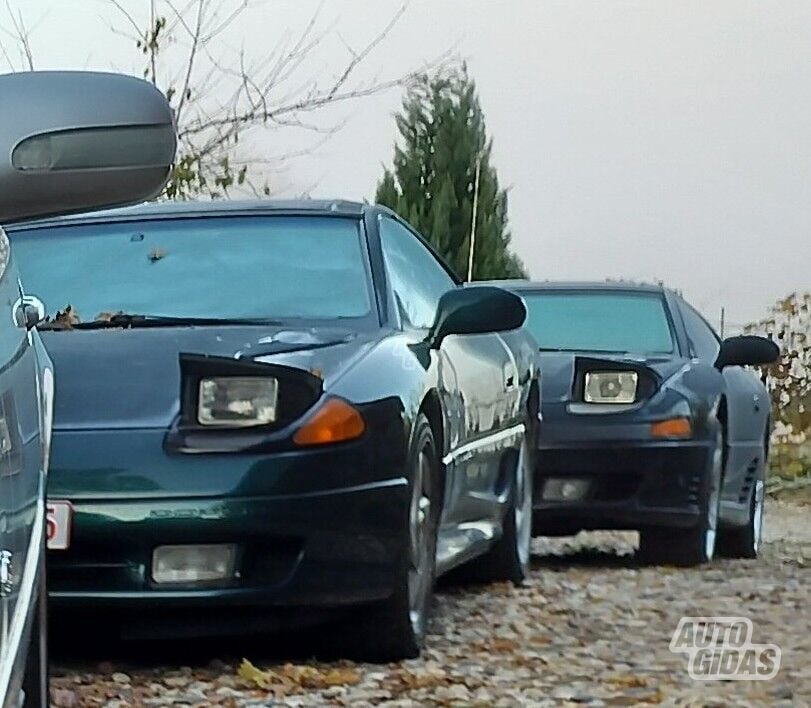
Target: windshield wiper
(126, 321)
(584, 351)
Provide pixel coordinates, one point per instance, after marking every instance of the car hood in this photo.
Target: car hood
(558, 370)
(130, 378)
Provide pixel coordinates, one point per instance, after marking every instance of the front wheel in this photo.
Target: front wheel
(696, 545)
(744, 542)
(395, 628)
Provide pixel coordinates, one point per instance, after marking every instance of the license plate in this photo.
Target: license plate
(60, 515)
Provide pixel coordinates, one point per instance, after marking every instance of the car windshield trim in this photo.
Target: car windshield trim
(348, 265)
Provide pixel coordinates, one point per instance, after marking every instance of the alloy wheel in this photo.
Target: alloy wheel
(420, 575)
(757, 515)
(523, 506)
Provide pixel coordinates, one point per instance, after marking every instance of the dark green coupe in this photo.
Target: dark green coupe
(276, 412)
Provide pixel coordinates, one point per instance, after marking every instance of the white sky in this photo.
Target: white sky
(648, 140)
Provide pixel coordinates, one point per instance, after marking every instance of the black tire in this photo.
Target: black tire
(35, 680)
(508, 558)
(744, 541)
(695, 545)
(395, 628)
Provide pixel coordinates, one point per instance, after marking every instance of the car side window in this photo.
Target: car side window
(703, 340)
(417, 279)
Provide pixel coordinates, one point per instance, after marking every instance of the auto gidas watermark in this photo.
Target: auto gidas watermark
(722, 649)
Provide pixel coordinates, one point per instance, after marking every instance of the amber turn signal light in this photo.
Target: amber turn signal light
(672, 428)
(336, 421)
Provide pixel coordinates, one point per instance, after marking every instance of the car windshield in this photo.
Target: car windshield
(225, 267)
(614, 322)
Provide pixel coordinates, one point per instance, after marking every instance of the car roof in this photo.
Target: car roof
(224, 207)
(580, 285)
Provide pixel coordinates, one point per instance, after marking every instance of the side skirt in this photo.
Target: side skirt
(458, 544)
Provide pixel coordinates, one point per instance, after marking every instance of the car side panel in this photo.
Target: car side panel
(747, 413)
(747, 419)
(469, 374)
(481, 365)
(21, 482)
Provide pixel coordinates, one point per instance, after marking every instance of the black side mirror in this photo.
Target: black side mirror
(477, 310)
(76, 140)
(747, 350)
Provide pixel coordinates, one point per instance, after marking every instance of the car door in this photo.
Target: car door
(21, 473)
(745, 408)
(473, 372)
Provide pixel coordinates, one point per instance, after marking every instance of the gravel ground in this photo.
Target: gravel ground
(591, 627)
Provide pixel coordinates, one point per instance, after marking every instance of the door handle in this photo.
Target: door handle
(756, 401)
(29, 311)
(509, 368)
(510, 376)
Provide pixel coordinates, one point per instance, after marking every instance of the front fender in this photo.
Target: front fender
(703, 387)
(399, 368)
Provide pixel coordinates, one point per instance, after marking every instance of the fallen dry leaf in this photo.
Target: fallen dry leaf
(628, 681)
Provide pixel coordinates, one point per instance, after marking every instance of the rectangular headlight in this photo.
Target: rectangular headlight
(610, 387)
(239, 401)
(193, 563)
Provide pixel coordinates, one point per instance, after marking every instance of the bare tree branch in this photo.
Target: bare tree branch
(228, 21)
(358, 57)
(222, 93)
(22, 35)
(184, 93)
(152, 46)
(130, 19)
(7, 57)
(179, 17)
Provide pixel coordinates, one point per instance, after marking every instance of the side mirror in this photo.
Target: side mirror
(477, 310)
(29, 311)
(73, 141)
(747, 350)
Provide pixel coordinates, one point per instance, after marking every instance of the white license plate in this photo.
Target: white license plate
(60, 516)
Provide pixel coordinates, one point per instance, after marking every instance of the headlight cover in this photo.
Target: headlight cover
(237, 401)
(610, 387)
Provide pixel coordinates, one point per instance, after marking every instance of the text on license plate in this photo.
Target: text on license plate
(60, 516)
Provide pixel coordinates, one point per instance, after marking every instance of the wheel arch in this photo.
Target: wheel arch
(722, 415)
(767, 439)
(431, 406)
(534, 402)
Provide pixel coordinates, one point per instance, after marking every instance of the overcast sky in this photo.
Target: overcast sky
(646, 140)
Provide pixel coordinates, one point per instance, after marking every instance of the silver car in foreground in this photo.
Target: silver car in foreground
(69, 141)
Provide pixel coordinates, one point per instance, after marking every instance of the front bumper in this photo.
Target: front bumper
(631, 485)
(330, 548)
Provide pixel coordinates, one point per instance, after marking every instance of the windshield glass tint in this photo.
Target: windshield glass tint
(226, 267)
(599, 321)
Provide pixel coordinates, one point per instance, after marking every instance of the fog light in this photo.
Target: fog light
(565, 489)
(193, 564)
